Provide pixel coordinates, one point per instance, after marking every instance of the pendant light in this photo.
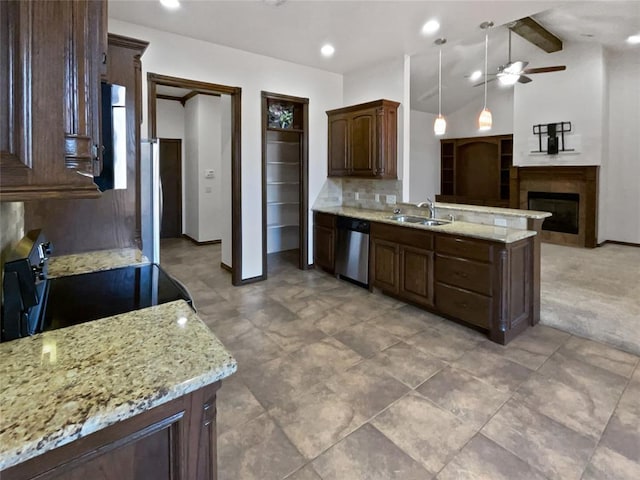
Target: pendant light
(484, 120)
(440, 125)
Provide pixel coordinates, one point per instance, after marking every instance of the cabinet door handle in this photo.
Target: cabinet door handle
(104, 58)
(461, 274)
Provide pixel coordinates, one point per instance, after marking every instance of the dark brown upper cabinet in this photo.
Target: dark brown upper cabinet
(52, 57)
(363, 140)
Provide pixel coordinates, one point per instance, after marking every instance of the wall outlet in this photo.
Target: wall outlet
(208, 190)
(391, 199)
(209, 173)
(357, 196)
(500, 222)
(377, 197)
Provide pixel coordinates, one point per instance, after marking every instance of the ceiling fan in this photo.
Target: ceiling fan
(517, 71)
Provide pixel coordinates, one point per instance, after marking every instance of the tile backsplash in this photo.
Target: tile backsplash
(360, 193)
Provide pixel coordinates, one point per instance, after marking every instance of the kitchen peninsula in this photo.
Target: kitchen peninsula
(483, 273)
(131, 395)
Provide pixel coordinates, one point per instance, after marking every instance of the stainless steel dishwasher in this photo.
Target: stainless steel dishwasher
(352, 250)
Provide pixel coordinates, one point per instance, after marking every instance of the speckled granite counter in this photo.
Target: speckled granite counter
(78, 263)
(474, 230)
(62, 385)
(506, 212)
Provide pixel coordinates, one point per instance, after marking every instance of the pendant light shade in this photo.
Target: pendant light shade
(440, 125)
(485, 119)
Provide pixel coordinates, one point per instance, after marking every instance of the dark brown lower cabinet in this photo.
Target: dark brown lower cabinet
(174, 441)
(485, 284)
(324, 240)
(416, 275)
(384, 265)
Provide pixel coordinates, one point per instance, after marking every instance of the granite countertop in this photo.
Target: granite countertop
(62, 385)
(66, 265)
(474, 230)
(507, 212)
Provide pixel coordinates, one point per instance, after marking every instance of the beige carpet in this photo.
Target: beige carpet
(593, 293)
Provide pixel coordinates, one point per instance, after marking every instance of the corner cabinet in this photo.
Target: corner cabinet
(52, 55)
(363, 140)
(476, 170)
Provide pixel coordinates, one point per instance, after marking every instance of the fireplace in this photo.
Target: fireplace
(565, 209)
(570, 193)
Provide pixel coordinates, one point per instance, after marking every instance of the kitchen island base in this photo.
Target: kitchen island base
(175, 440)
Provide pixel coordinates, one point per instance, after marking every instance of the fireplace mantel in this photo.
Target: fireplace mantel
(581, 180)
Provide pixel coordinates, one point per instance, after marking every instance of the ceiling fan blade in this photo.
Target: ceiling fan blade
(524, 79)
(557, 68)
(482, 82)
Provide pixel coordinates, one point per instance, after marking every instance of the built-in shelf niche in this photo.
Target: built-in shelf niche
(284, 151)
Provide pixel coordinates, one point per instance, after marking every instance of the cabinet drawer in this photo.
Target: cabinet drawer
(460, 247)
(463, 273)
(324, 219)
(403, 235)
(467, 306)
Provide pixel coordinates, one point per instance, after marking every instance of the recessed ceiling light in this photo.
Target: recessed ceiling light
(171, 4)
(327, 50)
(633, 39)
(475, 75)
(430, 27)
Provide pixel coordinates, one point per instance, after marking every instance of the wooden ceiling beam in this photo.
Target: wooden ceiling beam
(535, 33)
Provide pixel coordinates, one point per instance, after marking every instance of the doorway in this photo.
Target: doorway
(285, 161)
(171, 181)
(209, 89)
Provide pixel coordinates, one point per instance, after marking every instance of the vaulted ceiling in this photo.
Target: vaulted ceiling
(368, 32)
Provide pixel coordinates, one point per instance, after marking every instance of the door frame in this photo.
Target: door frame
(178, 141)
(303, 190)
(153, 80)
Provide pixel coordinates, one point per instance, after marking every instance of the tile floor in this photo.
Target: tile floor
(338, 383)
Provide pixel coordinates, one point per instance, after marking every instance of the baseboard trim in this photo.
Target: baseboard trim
(616, 242)
(226, 267)
(210, 242)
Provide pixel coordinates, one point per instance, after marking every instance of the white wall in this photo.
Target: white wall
(464, 122)
(225, 178)
(425, 158)
(574, 95)
(191, 169)
(169, 119)
(620, 212)
(388, 80)
(179, 56)
(209, 152)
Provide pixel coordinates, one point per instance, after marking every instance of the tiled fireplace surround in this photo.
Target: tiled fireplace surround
(581, 180)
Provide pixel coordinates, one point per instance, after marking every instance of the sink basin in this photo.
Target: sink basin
(434, 223)
(431, 222)
(407, 218)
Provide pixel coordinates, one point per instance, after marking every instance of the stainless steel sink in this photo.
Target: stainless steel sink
(431, 222)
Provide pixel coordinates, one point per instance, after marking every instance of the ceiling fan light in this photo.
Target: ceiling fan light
(508, 79)
(485, 120)
(440, 125)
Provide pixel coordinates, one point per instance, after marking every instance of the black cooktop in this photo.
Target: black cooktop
(83, 298)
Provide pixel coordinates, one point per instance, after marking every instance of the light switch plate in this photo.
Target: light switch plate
(391, 199)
